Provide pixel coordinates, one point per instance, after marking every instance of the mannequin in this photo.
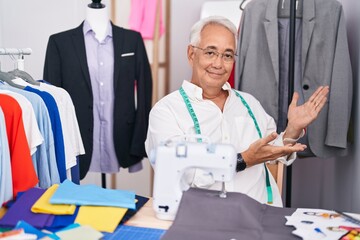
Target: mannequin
(99, 64)
(97, 16)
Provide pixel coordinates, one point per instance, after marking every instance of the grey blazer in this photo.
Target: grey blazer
(325, 61)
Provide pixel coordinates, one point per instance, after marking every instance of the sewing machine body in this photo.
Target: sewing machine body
(172, 160)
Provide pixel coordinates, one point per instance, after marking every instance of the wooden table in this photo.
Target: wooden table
(145, 217)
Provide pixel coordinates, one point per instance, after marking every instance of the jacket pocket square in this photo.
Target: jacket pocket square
(127, 54)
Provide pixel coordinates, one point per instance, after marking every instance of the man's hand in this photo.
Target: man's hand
(261, 151)
(299, 117)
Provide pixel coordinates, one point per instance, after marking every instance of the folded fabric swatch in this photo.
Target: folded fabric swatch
(43, 205)
(61, 221)
(18, 234)
(139, 204)
(79, 232)
(21, 210)
(104, 219)
(32, 230)
(71, 193)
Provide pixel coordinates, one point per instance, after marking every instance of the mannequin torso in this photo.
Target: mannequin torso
(98, 19)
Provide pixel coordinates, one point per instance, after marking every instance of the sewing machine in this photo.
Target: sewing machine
(173, 159)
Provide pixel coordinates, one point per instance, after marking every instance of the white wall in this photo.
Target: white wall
(184, 13)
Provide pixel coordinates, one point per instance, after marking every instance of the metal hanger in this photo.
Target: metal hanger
(241, 5)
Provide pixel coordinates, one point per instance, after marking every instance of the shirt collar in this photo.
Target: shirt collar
(87, 28)
(195, 92)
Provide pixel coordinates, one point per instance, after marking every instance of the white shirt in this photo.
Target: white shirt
(170, 118)
(71, 131)
(72, 139)
(31, 127)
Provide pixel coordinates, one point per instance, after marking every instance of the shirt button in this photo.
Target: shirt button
(101, 84)
(101, 63)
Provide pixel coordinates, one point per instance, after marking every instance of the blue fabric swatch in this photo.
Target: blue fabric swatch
(71, 193)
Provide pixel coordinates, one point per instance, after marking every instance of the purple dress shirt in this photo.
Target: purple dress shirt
(100, 59)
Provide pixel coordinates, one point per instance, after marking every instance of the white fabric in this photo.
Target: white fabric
(31, 127)
(170, 117)
(72, 138)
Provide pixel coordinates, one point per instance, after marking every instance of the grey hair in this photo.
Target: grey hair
(195, 33)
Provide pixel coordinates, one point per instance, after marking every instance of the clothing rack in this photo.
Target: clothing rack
(291, 88)
(18, 52)
(15, 51)
(291, 75)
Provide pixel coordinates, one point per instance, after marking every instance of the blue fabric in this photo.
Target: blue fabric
(56, 128)
(74, 225)
(32, 230)
(61, 221)
(71, 193)
(75, 172)
(44, 158)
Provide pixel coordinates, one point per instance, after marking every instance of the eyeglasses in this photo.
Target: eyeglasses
(212, 54)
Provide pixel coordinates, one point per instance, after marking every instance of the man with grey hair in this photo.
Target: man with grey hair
(208, 106)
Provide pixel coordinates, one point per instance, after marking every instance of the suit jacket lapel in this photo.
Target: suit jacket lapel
(271, 30)
(118, 38)
(308, 23)
(79, 43)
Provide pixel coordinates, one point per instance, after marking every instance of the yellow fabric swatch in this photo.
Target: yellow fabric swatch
(101, 218)
(43, 205)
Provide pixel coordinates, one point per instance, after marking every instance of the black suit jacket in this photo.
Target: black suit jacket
(66, 67)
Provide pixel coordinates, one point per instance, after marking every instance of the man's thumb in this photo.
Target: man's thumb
(270, 137)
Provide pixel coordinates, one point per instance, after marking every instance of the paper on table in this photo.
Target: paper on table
(317, 224)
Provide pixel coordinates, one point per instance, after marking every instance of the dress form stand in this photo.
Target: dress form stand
(98, 17)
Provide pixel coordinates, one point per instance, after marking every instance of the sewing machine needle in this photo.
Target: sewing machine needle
(223, 191)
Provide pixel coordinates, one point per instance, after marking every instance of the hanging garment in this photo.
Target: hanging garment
(44, 158)
(56, 128)
(6, 192)
(22, 168)
(325, 61)
(31, 127)
(66, 66)
(143, 17)
(72, 139)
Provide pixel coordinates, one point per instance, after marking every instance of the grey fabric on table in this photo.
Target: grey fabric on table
(203, 214)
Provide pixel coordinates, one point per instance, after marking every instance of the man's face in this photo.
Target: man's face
(212, 72)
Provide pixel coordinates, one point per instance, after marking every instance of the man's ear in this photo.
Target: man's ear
(190, 54)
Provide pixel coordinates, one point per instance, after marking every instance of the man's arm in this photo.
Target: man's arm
(299, 117)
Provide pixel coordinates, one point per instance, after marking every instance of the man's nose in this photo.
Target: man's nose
(218, 61)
